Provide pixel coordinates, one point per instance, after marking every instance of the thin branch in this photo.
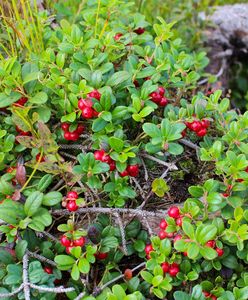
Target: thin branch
(170, 166)
(25, 277)
(72, 146)
(57, 185)
(105, 210)
(41, 258)
(50, 236)
(189, 144)
(222, 68)
(123, 235)
(6, 295)
(98, 290)
(56, 290)
(80, 296)
(145, 169)
(68, 155)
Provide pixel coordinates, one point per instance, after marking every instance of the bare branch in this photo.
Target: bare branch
(25, 277)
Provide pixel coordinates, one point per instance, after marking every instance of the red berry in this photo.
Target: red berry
(71, 205)
(80, 129)
(240, 180)
(118, 36)
(87, 112)
(196, 126)
(246, 170)
(148, 248)
(148, 256)
(165, 266)
(174, 212)
(65, 126)
(48, 270)
(136, 83)
(225, 195)
(205, 123)
(163, 224)
(213, 297)
(74, 136)
(177, 238)
(79, 242)
(162, 234)
(206, 294)
(128, 274)
(210, 244)
(155, 97)
(42, 159)
(68, 249)
(106, 158)
(65, 241)
(11, 169)
(99, 154)
(161, 91)
(21, 101)
(179, 221)
(185, 253)
(72, 195)
(82, 103)
(101, 255)
(95, 94)
(133, 170)
(202, 132)
(163, 102)
(184, 132)
(124, 173)
(112, 166)
(219, 251)
(139, 30)
(174, 269)
(18, 129)
(67, 135)
(170, 234)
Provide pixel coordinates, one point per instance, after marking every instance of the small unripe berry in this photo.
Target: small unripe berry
(128, 274)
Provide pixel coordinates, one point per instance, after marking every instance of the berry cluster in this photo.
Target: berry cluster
(158, 97)
(172, 269)
(208, 295)
(131, 170)
(72, 135)
(71, 198)
(69, 244)
(199, 127)
(212, 244)
(103, 157)
(86, 105)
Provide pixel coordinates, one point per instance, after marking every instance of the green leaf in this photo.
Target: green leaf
(193, 250)
(118, 78)
(20, 249)
(99, 124)
(44, 182)
(175, 149)
(52, 198)
(6, 100)
(64, 262)
(208, 253)
(33, 202)
(146, 276)
(76, 251)
(188, 229)
(116, 144)
(205, 233)
(151, 129)
(75, 274)
(84, 266)
(160, 187)
(39, 98)
(157, 280)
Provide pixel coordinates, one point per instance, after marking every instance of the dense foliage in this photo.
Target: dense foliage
(101, 123)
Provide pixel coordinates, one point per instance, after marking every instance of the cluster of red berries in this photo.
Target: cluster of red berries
(208, 295)
(212, 244)
(131, 170)
(86, 105)
(21, 102)
(174, 213)
(103, 157)
(158, 97)
(199, 127)
(69, 244)
(71, 198)
(172, 269)
(72, 135)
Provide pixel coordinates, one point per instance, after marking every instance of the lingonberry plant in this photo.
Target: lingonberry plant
(97, 133)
